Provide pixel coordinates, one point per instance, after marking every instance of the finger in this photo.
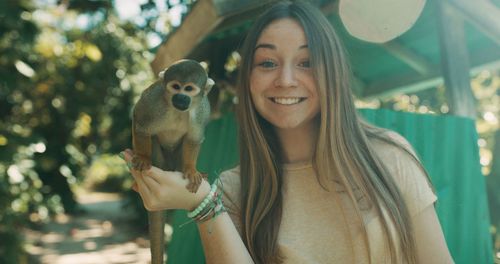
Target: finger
(154, 173)
(127, 158)
(143, 190)
(127, 155)
(161, 176)
(139, 185)
(151, 184)
(139, 176)
(139, 180)
(135, 173)
(150, 193)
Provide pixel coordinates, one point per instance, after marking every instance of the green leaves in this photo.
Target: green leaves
(69, 74)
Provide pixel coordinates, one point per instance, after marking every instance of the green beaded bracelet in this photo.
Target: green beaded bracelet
(204, 203)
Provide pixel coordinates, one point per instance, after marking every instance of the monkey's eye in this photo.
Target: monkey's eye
(188, 88)
(176, 87)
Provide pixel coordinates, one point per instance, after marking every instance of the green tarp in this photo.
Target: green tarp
(448, 148)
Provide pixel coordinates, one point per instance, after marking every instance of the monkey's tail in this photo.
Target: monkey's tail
(156, 236)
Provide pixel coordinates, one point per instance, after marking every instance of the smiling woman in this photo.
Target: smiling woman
(316, 184)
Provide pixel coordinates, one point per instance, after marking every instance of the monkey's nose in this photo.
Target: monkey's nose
(181, 101)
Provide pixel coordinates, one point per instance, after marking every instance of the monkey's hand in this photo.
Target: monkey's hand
(141, 163)
(194, 177)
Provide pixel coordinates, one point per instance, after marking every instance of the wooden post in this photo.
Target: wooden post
(198, 24)
(481, 13)
(455, 61)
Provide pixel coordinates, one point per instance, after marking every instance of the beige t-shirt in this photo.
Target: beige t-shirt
(320, 226)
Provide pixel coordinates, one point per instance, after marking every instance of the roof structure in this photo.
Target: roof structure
(450, 40)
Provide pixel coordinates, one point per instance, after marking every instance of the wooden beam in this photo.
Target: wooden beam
(481, 13)
(455, 61)
(196, 26)
(201, 20)
(399, 84)
(411, 58)
(485, 59)
(233, 7)
(405, 84)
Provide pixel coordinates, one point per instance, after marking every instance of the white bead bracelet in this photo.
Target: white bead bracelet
(204, 203)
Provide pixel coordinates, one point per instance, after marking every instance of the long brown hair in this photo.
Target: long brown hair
(343, 147)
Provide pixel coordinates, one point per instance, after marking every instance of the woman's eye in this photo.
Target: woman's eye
(267, 64)
(305, 64)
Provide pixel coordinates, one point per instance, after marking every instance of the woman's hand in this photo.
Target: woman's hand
(161, 190)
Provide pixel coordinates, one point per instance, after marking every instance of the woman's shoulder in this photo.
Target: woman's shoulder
(230, 177)
(398, 156)
(229, 183)
(390, 142)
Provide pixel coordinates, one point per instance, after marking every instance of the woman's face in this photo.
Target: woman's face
(281, 83)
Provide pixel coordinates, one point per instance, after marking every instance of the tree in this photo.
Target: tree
(65, 97)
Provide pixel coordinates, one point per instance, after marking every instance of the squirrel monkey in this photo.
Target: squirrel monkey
(167, 130)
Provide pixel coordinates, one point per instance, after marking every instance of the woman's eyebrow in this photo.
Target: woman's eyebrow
(265, 46)
(273, 47)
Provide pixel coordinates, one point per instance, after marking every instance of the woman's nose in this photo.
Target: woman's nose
(287, 77)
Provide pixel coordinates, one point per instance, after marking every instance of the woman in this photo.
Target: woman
(315, 183)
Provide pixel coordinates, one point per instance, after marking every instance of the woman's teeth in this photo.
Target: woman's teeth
(286, 101)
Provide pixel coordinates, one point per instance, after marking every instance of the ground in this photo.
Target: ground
(102, 234)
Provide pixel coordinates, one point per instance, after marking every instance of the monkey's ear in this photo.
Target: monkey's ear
(162, 73)
(209, 85)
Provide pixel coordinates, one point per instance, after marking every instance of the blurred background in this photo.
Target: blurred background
(71, 70)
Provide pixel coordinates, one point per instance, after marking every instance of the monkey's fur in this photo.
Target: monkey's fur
(167, 130)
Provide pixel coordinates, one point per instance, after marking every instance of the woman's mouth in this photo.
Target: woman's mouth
(287, 100)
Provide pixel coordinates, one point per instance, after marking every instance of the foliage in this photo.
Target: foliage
(486, 88)
(107, 174)
(68, 79)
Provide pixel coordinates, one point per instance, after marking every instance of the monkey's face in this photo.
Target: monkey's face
(182, 95)
(186, 84)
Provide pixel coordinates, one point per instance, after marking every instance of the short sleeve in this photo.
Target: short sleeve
(408, 174)
(229, 183)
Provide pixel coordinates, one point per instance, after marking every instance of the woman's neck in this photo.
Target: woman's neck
(298, 144)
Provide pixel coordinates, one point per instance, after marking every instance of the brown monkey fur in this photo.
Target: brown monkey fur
(167, 130)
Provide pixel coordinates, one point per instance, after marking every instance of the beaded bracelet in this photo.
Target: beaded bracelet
(209, 208)
(214, 209)
(204, 212)
(204, 203)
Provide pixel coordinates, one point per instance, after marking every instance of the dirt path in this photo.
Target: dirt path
(103, 234)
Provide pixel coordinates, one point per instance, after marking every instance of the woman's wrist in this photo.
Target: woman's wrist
(210, 207)
(200, 195)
